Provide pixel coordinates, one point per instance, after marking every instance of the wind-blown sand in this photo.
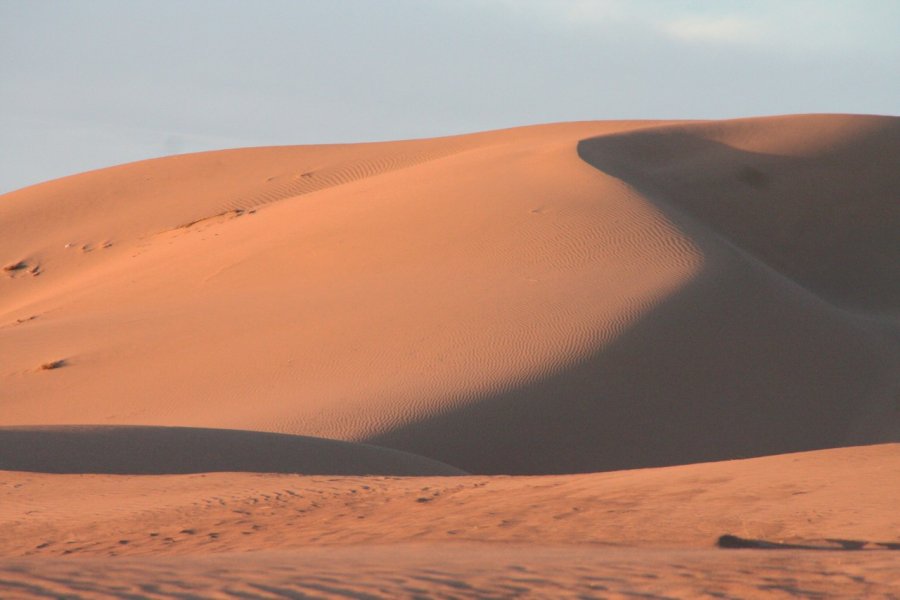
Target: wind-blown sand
(557, 299)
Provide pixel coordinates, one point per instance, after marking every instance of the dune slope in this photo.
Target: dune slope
(815, 197)
(551, 299)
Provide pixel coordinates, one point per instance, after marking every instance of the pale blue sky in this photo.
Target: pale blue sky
(94, 83)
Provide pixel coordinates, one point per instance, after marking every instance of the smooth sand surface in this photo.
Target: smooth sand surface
(554, 301)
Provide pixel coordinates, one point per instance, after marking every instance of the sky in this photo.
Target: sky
(94, 83)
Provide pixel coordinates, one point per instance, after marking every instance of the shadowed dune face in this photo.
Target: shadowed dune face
(814, 197)
(552, 299)
(741, 360)
(736, 365)
(171, 450)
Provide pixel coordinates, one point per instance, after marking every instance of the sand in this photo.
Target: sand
(461, 571)
(416, 353)
(649, 531)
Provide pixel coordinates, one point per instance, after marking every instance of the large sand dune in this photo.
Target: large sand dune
(551, 299)
(232, 357)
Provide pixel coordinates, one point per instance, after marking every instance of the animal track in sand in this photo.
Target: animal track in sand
(289, 185)
(15, 266)
(20, 267)
(222, 216)
(21, 321)
(53, 364)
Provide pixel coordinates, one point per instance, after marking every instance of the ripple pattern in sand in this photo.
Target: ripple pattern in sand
(461, 571)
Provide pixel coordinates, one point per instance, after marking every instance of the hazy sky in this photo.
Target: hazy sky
(94, 83)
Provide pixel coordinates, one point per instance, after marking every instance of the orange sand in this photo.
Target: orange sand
(557, 299)
(647, 531)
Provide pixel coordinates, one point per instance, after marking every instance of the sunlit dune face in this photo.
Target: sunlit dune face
(372, 287)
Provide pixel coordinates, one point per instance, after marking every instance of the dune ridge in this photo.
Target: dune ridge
(811, 196)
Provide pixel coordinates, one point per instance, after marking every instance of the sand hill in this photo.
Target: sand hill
(553, 299)
(546, 300)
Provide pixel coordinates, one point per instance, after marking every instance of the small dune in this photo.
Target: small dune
(169, 450)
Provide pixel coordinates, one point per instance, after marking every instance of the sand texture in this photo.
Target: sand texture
(648, 531)
(463, 570)
(477, 366)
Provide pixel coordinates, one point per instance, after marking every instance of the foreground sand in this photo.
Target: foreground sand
(848, 493)
(463, 570)
(459, 367)
(648, 531)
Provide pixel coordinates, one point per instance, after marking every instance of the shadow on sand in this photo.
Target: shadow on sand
(136, 450)
(740, 362)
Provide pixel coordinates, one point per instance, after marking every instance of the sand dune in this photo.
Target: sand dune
(261, 372)
(168, 450)
(552, 299)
